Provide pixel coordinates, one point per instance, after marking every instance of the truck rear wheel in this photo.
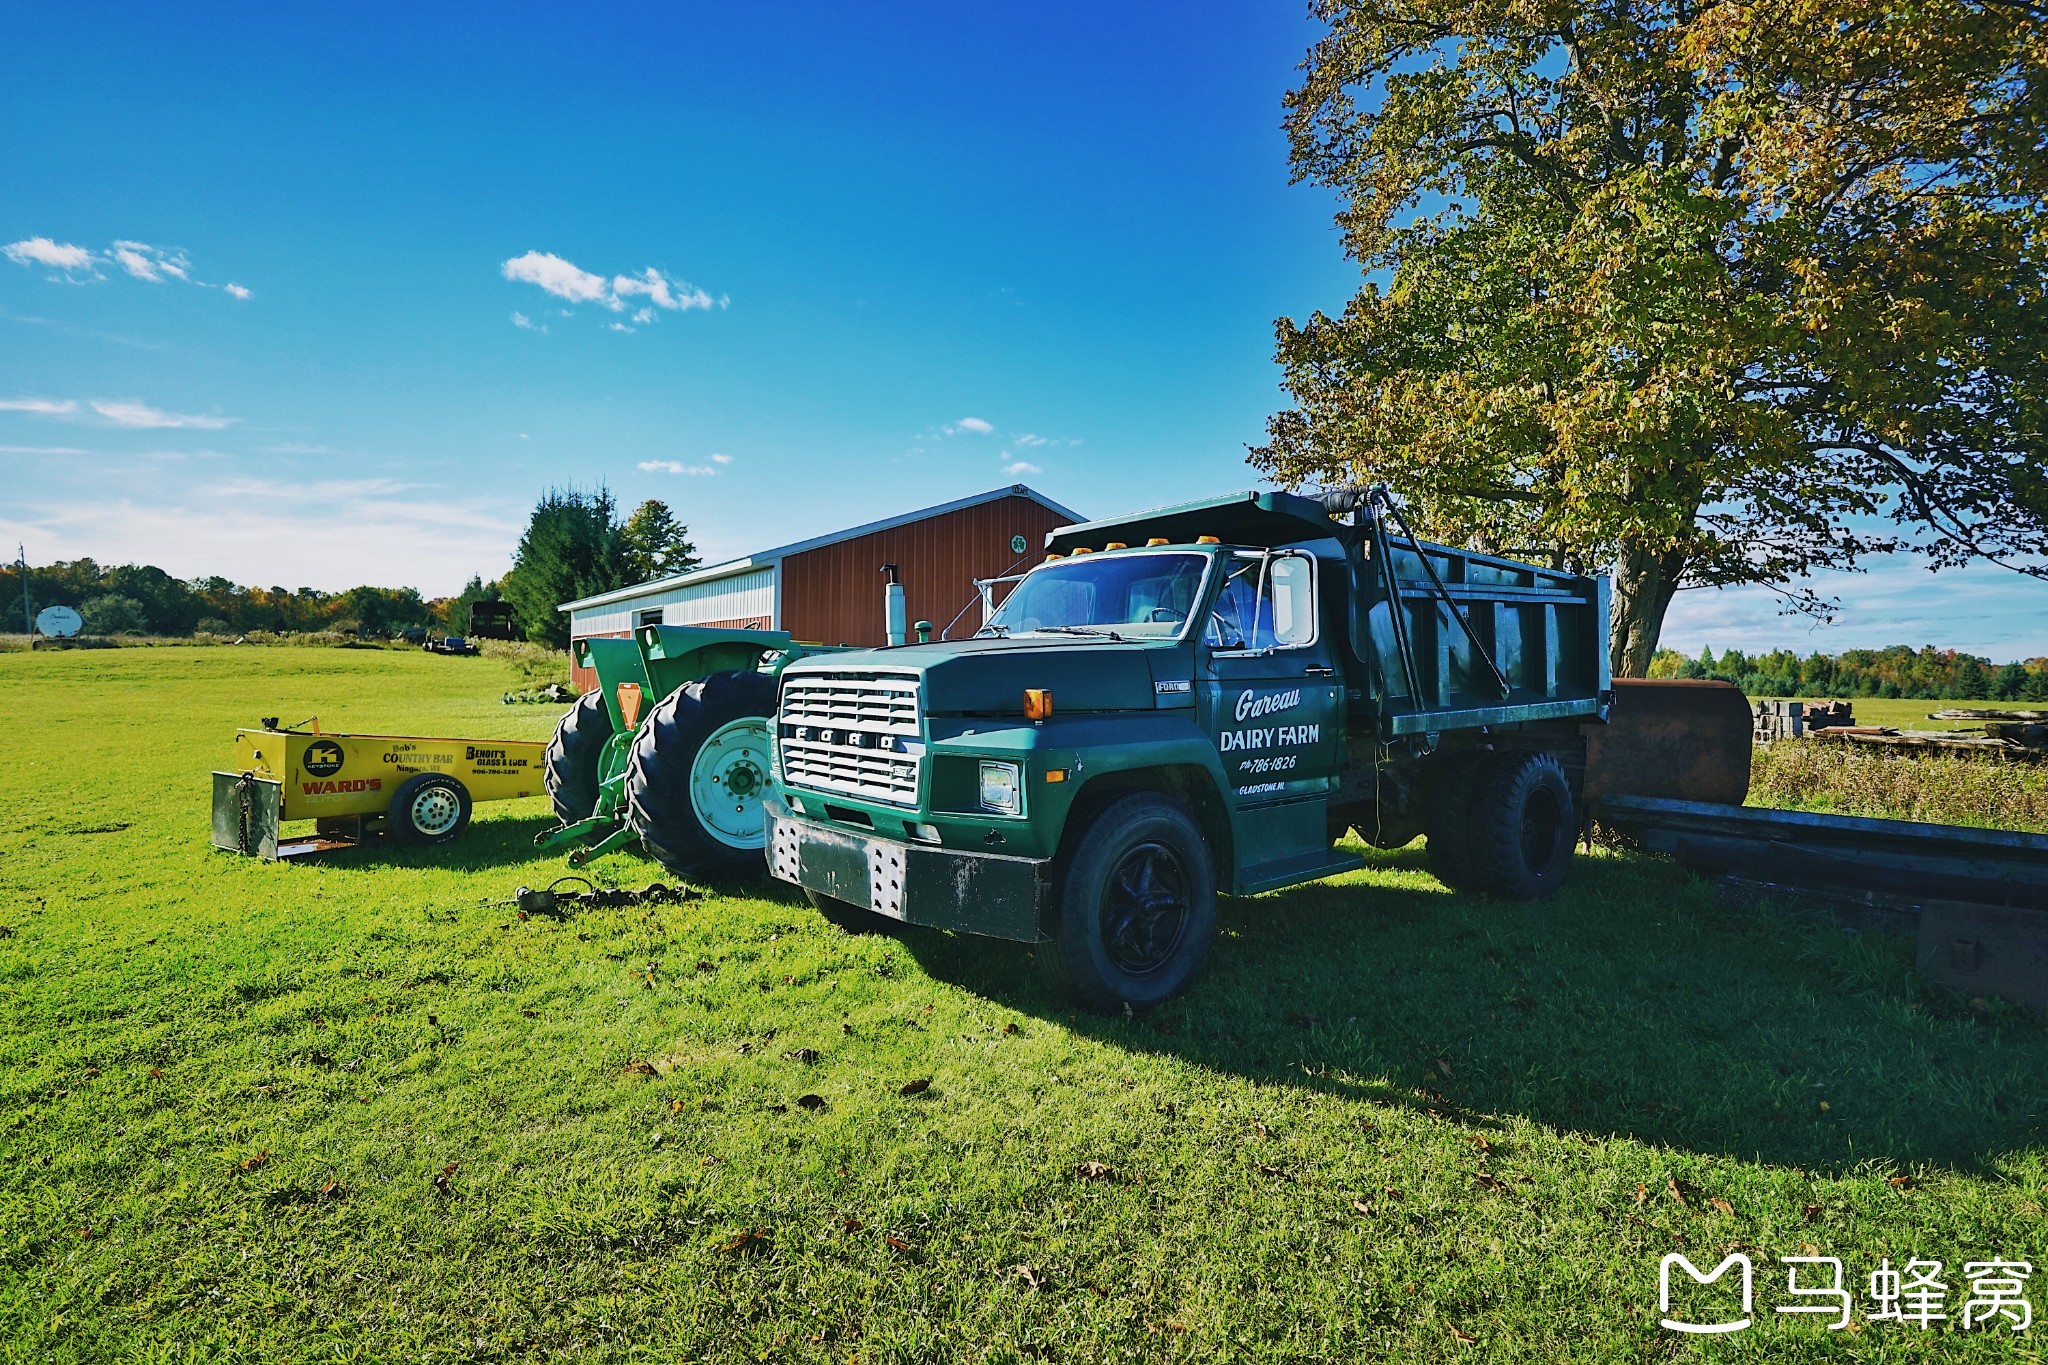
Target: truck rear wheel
(1137, 906)
(697, 773)
(571, 764)
(1525, 825)
(1448, 819)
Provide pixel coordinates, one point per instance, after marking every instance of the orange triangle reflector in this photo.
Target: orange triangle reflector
(629, 704)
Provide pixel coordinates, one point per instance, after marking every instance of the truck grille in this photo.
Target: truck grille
(860, 734)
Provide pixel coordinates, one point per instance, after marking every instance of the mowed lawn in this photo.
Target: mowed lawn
(354, 1110)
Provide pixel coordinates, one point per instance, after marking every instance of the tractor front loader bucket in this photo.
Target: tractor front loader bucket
(1677, 740)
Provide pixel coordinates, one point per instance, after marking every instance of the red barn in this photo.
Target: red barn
(828, 590)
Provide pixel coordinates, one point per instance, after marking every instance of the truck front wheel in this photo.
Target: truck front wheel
(1137, 906)
(1524, 825)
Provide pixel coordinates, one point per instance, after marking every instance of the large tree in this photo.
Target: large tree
(656, 543)
(1706, 292)
(572, 548)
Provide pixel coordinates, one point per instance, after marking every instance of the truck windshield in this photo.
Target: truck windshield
(1140, 596)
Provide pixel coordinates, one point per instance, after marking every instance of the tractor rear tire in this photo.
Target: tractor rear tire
(854, 919)
(1525, 825)
(572, 760)
(1448, 819)
(697, 772)
(1136, 906)
(431, 808)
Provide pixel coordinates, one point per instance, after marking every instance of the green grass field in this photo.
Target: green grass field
(353, 1111)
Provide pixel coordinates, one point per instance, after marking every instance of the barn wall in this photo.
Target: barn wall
(833, 594)
(741, 596)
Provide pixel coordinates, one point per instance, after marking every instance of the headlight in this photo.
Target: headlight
(999, 788)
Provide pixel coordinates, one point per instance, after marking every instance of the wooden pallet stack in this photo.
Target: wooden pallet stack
(1776, 720)
(2006, 734)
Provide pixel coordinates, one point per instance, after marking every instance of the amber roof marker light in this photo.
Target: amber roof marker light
(1037, 703)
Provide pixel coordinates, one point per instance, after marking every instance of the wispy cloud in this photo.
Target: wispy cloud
(42, 450)
(139, 260)
(527, 324)
(1016, 467)
(1032, 441)
(48, 407)
(973, 426)
(56, 255)
(129, 413)
(647, 294)
(678, 467)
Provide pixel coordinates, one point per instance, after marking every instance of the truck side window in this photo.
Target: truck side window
(1273, 609)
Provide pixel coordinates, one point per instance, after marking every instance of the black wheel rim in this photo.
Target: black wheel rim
(1145, 909)
(1542, 822)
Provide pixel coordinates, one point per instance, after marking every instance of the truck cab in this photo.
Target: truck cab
(1186, 701)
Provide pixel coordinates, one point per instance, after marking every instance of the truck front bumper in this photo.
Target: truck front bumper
(946, 888)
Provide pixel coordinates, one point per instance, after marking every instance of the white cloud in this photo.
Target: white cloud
(237, 291)
(569, 281)
(154, 264)
(129, 413)
(521, 320)
(49, 407)
(678, 467)
(1016, 467)
(620, 327)
(972, 425)
(42, 450)
(721, 459)
(43, 251)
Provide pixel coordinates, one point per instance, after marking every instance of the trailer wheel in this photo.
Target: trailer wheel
(1137, 907)
(1448, 819)
(1525, 827)
(431, 808)
(854, 919)
(697, 773)
(572, 763)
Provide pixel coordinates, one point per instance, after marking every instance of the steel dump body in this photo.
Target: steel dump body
(1379, 651)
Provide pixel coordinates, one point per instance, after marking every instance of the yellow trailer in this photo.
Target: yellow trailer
(413, 787)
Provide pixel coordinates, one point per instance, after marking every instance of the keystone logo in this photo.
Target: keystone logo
(1250, 704)
(322, 758)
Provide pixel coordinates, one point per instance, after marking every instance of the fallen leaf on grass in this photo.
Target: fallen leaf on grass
(332, 1189)
(750, 1240)
(1724, 1206)
(1810, 1213)
(1677, 1192)
(807, 1055)
(642, 1069)
(1479, 1140)
(1488, 1182)
(897, 1243)
(1275, 1170)
(257, 1160)
(1901, 1182)
(441, 1180)
(1095, 1170)
(1261, 1129)
(916, 1087)
(85, 1232)
(1010, 1027)
(1642, 1193)
(810, 1101)
(156, 1072)
(675, 1106)
(1465, 1337)
(1359, 1206)
(1032, 1278)
(850, 1224)
(531, 1014)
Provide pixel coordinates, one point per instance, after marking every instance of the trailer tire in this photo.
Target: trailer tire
(1448, 810)
(572, 764)
(1140, 874)
(854, 919)
(1525, 827)
(709, 736)
(431, 808)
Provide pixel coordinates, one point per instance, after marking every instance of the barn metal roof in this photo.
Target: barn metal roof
(763, 558)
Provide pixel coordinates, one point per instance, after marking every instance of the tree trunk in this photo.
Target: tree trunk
(1643, 584)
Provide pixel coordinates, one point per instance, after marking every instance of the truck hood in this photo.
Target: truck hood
(988, 676)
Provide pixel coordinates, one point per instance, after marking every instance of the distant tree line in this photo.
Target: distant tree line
(575, 546)
(1899, 671)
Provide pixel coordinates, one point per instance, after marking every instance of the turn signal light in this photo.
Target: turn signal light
(1055, 774)
(1037, 703)
(1159, 540)
(1118, 545)
(1083, 550)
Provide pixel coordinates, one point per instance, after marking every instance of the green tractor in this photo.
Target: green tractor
(672, 748)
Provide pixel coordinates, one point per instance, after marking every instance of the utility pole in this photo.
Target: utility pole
(28, 614)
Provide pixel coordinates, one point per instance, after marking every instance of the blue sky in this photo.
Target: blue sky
(351, 287)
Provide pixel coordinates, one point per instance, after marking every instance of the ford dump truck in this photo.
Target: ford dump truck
(1190, 700)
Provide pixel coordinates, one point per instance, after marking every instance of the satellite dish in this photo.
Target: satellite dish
(59, 622)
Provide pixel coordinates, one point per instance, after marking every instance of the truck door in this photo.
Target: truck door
(1272, 692)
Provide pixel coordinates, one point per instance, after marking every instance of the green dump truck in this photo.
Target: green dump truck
(1195, 699)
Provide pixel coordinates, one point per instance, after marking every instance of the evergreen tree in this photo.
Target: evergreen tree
(573, 547)
(656, 544)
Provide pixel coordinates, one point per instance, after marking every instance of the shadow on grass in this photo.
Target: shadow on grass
(1630, 1005)
(487, 845)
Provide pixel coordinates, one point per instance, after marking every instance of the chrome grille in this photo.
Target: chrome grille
(855, 733)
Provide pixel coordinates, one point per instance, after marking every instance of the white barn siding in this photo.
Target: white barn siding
(747, 594)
